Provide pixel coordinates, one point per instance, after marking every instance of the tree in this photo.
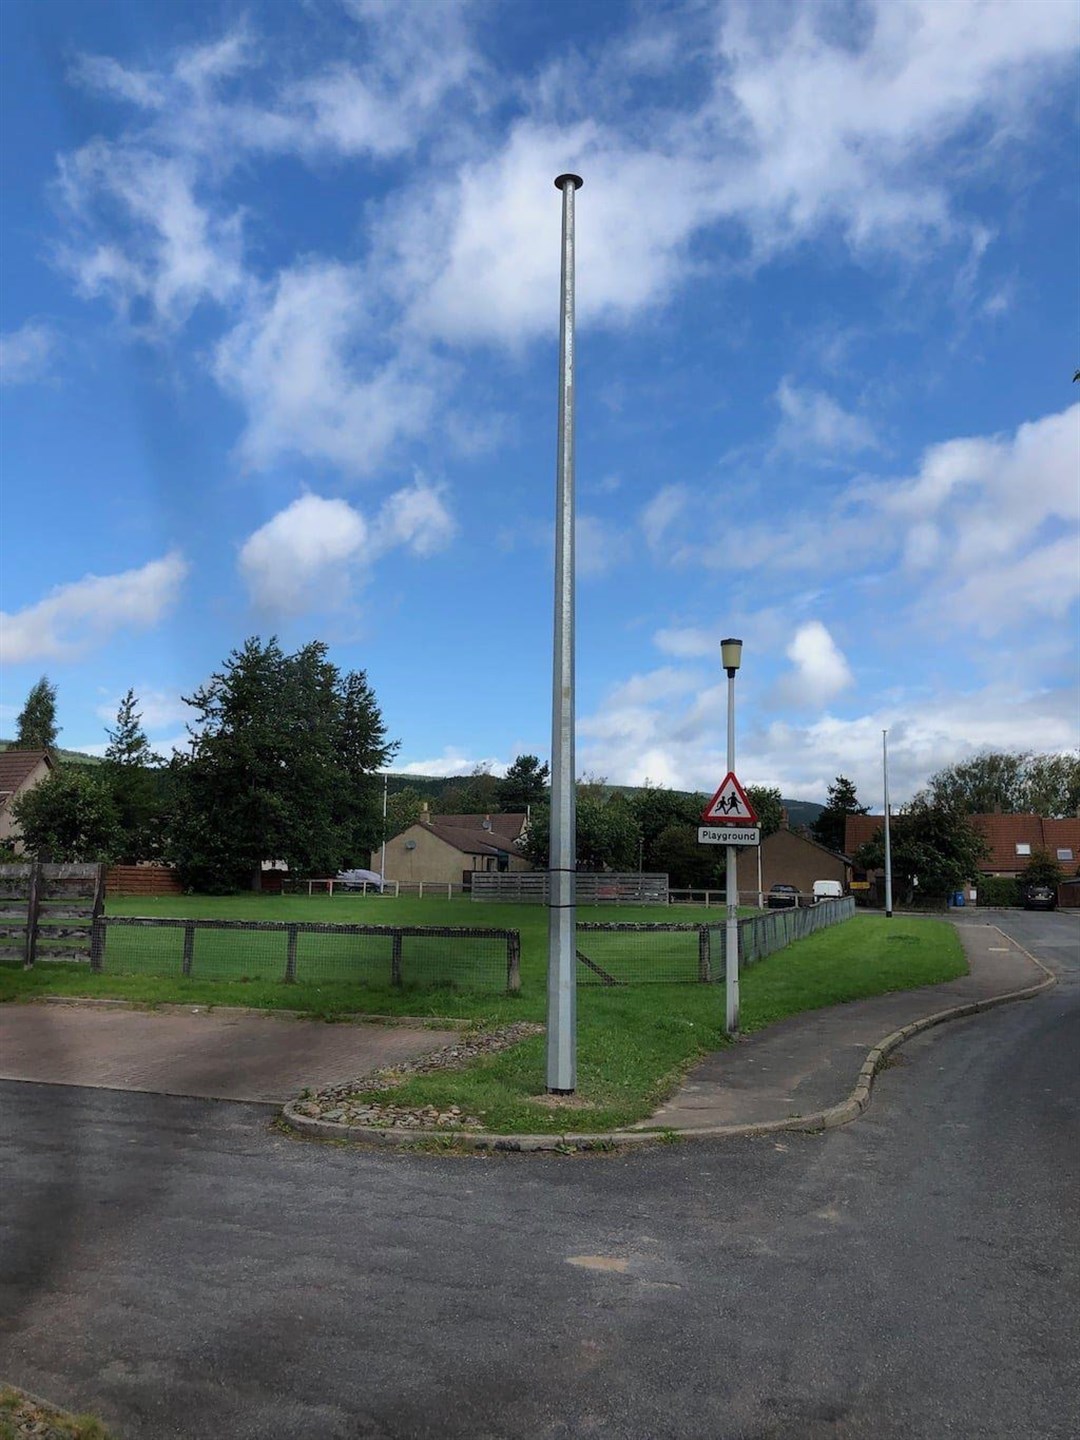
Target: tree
(524, 785)
(473, 794)
(69, 817)
(1012, 782)
(1041, 869)
(1052, 785)
(934, 849)
(840, 802)
(36, 727)
(284, 765)
(688, 865)
(403, 809)
(656, 810)
(607, 833)
(768, 806)
(134, 776)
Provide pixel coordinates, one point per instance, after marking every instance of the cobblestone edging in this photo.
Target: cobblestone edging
(334, 1104)
(397, 1132)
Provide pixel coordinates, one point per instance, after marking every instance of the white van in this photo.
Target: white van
(827, 890)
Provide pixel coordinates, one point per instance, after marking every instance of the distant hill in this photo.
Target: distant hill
(801, 813)
(66, 757)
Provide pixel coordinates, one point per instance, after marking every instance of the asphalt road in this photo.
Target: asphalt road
(183, 1270)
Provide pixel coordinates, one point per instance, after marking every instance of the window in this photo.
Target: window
(1065, 853)
(1022, 848)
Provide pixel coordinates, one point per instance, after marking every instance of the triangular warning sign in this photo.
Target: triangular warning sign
(729, 803)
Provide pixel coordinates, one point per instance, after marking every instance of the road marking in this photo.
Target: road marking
(599, 1262)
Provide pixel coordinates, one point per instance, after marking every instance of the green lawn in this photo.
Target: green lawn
(634, 1043)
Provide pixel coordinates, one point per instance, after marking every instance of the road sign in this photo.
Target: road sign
(729, 804)
(728, 835)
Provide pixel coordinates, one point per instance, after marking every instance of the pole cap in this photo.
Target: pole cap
(575, 180)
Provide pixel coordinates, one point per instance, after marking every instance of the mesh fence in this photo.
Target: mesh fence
(627, 954)
(376, 955)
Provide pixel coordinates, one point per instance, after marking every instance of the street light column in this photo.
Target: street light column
(562, 858)
(731, 654)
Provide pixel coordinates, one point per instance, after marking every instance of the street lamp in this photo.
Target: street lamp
(888, 848)
(562, 858)
(731, 658)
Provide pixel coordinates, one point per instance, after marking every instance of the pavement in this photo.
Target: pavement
(217, 1054)
(800, 1069)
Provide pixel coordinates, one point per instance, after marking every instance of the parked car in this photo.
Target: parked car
(1040, 897)
(358, 879)
(782, 897)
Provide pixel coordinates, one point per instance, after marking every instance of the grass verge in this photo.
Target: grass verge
(634, 1043)
(22, 1415)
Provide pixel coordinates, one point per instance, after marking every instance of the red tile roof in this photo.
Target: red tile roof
(1002, 833)
(16, 766)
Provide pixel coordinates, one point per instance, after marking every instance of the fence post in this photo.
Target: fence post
(290, 955)
(704, 957)
(513, 961)
(189, 948)
(97, 929)
(395, 958)
(33, 908)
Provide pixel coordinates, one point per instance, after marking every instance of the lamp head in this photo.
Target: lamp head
(731, 655)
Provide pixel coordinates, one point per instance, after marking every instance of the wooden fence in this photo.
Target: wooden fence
(530, 887)
(142, 880)
(49, 912)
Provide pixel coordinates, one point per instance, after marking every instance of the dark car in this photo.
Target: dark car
(1040, 897)
(783, 897)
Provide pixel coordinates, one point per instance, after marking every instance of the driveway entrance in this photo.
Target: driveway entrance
(216, 1055)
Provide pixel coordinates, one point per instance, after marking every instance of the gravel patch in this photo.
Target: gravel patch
(342, 1105)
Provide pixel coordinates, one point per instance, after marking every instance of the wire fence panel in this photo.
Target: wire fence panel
(627, 954)
(460, 957)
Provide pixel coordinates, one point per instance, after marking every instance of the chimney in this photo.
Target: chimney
(485, 824)
(785, 819)
(425, 813)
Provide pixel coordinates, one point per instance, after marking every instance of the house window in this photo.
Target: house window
(1022, 848)
(1065, 853)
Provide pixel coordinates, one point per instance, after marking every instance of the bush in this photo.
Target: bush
(998, 890)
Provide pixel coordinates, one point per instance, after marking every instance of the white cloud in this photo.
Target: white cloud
(26, 353)
(452, 761)
(297, 364)
(666, 507)
(820, 670)
(813, 422)
(174, 252)
(686, 644)
(599, 546)
(307, 557)
(158, 709)
(74, 618)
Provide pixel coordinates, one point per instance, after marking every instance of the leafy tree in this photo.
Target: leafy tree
(768, 806)
(607, 832)
(36, 727)
(284, 765)
(840, 802)
(989, 782)
(656, 810)
(403, 809)
(1052, 784)
(688, 865)
(134, 776)
(474, 794)
(69, 817)
(1041, 869)
(524, 785)
(931, 843)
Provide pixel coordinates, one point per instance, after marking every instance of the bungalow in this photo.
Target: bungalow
(20, 771)
(791, 859)
(1011, 840)
(449, 849)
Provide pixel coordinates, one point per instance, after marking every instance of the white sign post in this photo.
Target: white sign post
(730, 820)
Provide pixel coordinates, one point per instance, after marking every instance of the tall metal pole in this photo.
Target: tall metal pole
(382, 862)
(731, 937)
(562, 861)
(888, 851)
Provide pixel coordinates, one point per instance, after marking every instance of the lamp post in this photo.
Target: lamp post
(888, 850)
(731, 656)
(562, 858)
(382, 861)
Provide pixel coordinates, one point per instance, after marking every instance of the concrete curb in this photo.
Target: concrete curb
(170, 1007)
(828, 1119)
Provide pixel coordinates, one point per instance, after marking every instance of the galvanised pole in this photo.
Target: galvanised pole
(731, 937)
(562, 861)
(888, 850)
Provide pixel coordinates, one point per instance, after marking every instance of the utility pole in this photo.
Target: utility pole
(562, 860)
(888, 850)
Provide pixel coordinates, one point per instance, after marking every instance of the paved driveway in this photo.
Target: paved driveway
(217, 1055)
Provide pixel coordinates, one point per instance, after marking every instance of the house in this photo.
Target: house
(20, 771)
(791, 859)
(449, 849)
(1011, 840)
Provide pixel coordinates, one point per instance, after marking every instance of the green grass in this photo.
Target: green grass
(634, 1043)
(18, 1410)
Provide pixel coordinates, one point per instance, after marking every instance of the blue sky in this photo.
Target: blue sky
(279, 352)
